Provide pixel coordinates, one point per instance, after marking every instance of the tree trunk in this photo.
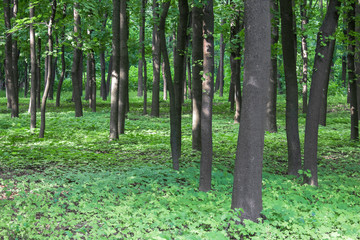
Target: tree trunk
(304, 53)
(270, 120)
(38, 75)
(156, 63)
(352, 76)
(26, 82)
(164, 75)
(247, 193)
(63, 63)
(92, 81)
(221, 64)
(103, 93)
(49, 72)
(115, 73)
(207, 98)
(145, 87)
(292, 126)
(9, 75)
(124, 67)
(76, 67)
(108, 80)
(52, 77)
(15, 59)
(33, 70)
(197, 59)
(322, 62)
(142, 49)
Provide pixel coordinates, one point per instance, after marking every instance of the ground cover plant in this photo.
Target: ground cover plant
(75, 184)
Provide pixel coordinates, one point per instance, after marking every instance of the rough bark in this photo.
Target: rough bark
(33, 71)
(155, 111)
(292, 126)
(76, 67)
(115, 73)
(322, 62)
(49, 72)
(270, 120)
(247, 189)
(197, 59)
(207, 98)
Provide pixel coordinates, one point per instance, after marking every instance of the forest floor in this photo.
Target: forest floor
(75, 184)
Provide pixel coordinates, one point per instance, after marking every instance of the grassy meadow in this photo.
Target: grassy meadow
(75, 184)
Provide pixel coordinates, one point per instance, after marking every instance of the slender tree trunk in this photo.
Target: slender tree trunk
(145, 87)
(76, 67)
(207, 98)
(38, 74)
(357, 57)
(92, 81)
(15, 59)
(9, 74)
(197, 59)
(141, 50)
(247, 190)
(108, 80)
(164, 75)
(235, 62)
(352, 76)
(304, 53)
(156, 63)
(115, 73)
(222, 44)
(63, 63)
(103, 93)
(33, 70)
(124, 67)
(270, 120)
(189, 76)
(322, 62)
(53, 74)
(292, 126)
(26, 82)
(49, 72)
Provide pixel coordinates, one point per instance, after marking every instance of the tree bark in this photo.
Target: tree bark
(292, 126)
(155, 111)
(207, 98)
(9, 74)
(304, 53)
(270, 120)
(124, 67)
(352, 76)
(15, 59)
(109, 76)
(115, 73)
(49, 72)
(38, 75)
(142, 49)
(197, 59)
(322, 62)
(33, 70)
(103, 92)
(76, 67)
(247, 189)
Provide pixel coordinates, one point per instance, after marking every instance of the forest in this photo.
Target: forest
(163, 119)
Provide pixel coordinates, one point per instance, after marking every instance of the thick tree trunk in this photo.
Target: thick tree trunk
(49, 72)
(115, 73)
(304, 53)
(322, 62)
(197, 59)
(207, 98)
(292, 126)
(33, 71)
(270, 120)
(247, 190)
(76, 67)
(124, 68)
(155, 111)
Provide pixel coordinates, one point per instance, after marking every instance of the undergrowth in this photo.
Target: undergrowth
(75, 184)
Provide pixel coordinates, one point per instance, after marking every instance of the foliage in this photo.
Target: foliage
(75, 184)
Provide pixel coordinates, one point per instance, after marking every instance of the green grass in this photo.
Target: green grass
(75, 184)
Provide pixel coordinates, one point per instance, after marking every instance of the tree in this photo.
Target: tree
(197, 59)
(9, 74)
(156, 62)
(76, 67)
(115, 73)
(270, 120)
(247, 193)
(49, 72)
(322, 62)
(33, 69)
(289, 51)
(304, 52)
(207, 98)
(63, 63)
(352, 74)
